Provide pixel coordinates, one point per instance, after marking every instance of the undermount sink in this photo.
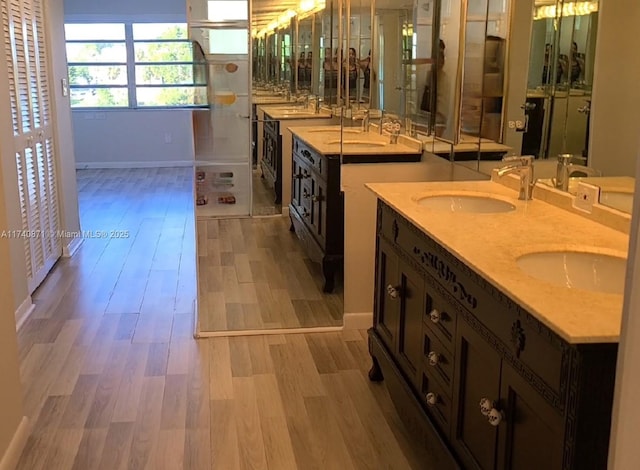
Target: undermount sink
(358, 143)
(463, 203)
(594, 272)
(618, 200)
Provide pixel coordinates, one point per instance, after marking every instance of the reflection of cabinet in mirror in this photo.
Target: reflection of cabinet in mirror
(561, 59)
(485, 49)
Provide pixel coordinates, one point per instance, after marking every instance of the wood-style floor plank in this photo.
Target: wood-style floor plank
(249, 260)
(108, 385)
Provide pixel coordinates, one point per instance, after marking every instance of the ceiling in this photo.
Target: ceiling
(265, 11)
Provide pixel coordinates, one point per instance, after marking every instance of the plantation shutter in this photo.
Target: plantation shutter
(26, 56)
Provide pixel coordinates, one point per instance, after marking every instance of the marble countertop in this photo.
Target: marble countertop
(326, 140)
(261, 100)
(283, 113)
(490, 243)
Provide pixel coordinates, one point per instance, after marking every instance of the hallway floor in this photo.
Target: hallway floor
(113, 378)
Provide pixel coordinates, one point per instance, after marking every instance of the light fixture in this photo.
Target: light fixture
(309, 7)
(568, 9)
(305, 8)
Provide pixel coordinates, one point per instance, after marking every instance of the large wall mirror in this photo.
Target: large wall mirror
(560, 79)
(549, 90)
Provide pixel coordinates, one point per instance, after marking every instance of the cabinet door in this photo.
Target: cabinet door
(319, 209)
(296, 182)
(477, 377)
(531, 435)
(387, 302)
(412, 304)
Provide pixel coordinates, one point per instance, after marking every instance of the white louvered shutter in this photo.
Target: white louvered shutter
(25, 49)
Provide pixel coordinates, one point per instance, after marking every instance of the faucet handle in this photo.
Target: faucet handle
(565, 158)
(524, 160)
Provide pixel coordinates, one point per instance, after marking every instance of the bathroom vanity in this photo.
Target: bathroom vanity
(490, 364)
(276, 168)
(317, 205)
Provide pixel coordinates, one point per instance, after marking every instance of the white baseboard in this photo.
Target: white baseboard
(69, 250)
(358, 321)
(112, 165)
(275, 331)
(23, 312)
(285, 211)
(11, 457)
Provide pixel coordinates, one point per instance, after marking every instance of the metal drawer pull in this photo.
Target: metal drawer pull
(392, 291)
(434, 358)
(305, 213)
(316, 198)
(435, 316)
(432, 399)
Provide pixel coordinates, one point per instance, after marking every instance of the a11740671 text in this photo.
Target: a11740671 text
(101, 234)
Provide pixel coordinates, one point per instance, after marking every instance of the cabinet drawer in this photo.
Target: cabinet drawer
(315, 160)
(437, 360)
(439, 317)
(437, 402)
(532, 348)
(271, 125)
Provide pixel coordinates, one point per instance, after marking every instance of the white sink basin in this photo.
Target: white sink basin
(458, 203)
(621, 201)
(358, 143)
(577, 270)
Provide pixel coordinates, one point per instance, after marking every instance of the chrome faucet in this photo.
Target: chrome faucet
(523, 166)
(565, 169)
(392, 126)
(363, 115)
(318, 104)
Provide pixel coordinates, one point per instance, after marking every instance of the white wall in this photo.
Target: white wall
(142, 8)
(616, 90)
(131, 138)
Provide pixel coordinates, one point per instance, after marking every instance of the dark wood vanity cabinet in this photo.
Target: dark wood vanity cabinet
(525, 432)
(271, 163)
(481, 382)
(317, 208)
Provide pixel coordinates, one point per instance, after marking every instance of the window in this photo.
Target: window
(133, 65)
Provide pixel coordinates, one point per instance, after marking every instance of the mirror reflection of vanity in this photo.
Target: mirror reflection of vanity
(512, 77)
(555, 104)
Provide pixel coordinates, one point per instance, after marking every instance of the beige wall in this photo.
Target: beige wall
(10, 390)
(624, 452)
(360, 218)
(616, 89)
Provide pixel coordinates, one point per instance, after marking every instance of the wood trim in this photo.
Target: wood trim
(72, 247)
(10, 458)
(23, 312)
(357, 321)
(275, 331)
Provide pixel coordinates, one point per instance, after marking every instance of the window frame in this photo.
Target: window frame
(131, 86)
